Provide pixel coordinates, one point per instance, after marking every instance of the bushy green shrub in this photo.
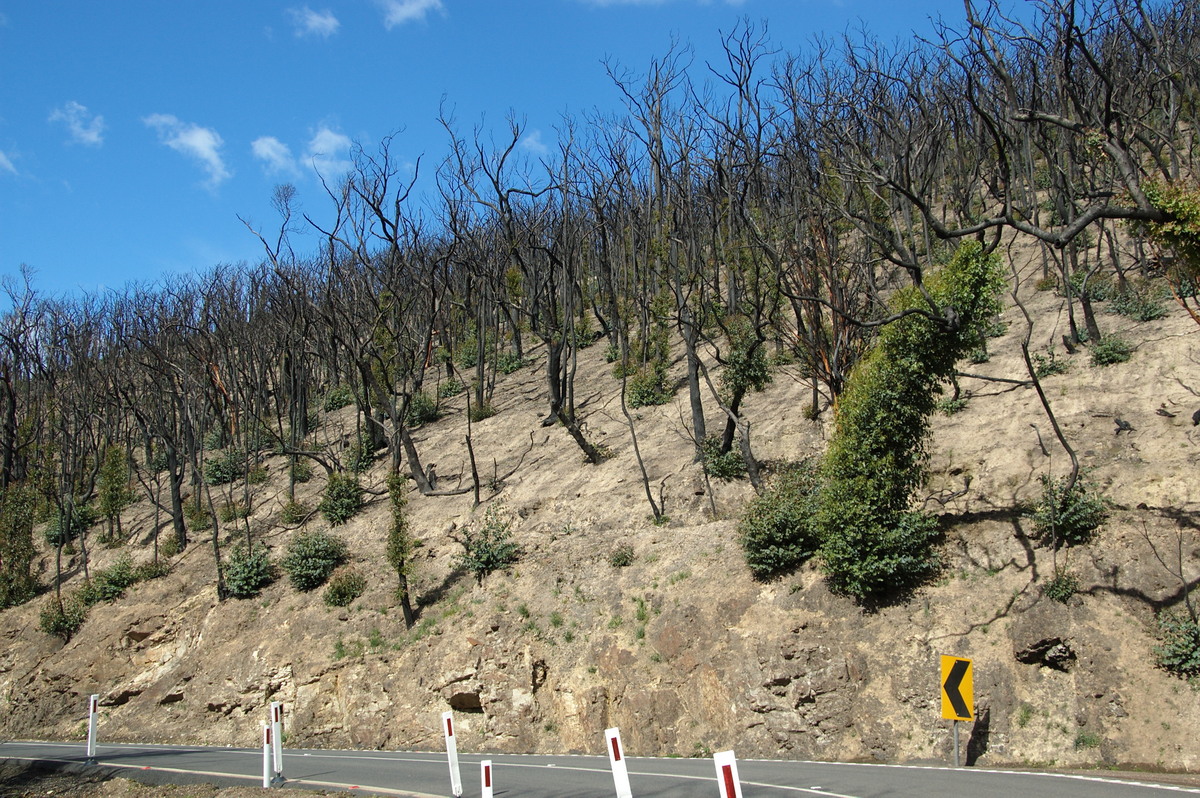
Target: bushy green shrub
(1068, 518)
(776, 529)
(311, 557)
(1178, 651)
(248, 572)
(722, 466)
(872, 543)
(489, 546)
(950, 406)
(509, 362)
(342, 500)
(197, 515)
(62, 620)
(150, 569)
(232, 511)
(1109, 350)
(293, 512)
(622, 556)
(302, 471)
(109, 584)
(336, 398)
(482, 412)
(225, 467)
(17, 509)
(422, 409)
(1142, 304)
(1100, 287)
(83, 518)
(451, 387)
(1048, 364)
(345, 585)
(648, 387)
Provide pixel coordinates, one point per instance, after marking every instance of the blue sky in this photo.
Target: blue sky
(134, 132)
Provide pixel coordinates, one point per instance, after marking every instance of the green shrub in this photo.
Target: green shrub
(1178, 651)
(1062, 587)
(1047, 283)
(83, 518)
(1109, 350)
(488, 547)
(345, 585)
(1139, 305)
(293, 512)
(481, 412)
(722, 466)
(342, 500)
(63, 621)
(336, 398)
(611, 354)
(466, 354)
(776, 529)
(1068, 518)
(509, 362)
(257, 475)
(1100, 287)
(196, 515)
(232, 511)
(169, 546)
(302, 470)
(248, 572)
(17, 509)
(311, 557)
(151, 570)
(1048, 364)
(949, 406)
(872, 544)
(422, 409)
(110, 584)
(622, 556)
(648, 387)
(360, 456)
(225, 467)
(451, 387)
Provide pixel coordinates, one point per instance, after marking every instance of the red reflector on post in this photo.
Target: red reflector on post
(616, 750)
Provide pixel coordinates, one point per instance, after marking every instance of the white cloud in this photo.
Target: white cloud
(84, 127)
(397, 12)
(276, 156)
(6, 164)
(533, 143)
(329, 152)
(202, 144)
(314, 23)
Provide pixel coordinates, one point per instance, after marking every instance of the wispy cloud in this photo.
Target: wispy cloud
(275, 155)
(84, 127)
(397, 12)
(202, 144)
(329, 152)
(6, 164)
(314, 23)
(532, 142)
(662, 2)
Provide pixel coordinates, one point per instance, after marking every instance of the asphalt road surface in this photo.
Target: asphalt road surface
(425, 775)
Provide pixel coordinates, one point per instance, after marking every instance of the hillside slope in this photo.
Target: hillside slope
(681, 648)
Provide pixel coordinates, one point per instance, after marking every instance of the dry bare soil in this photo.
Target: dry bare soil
(682, 649)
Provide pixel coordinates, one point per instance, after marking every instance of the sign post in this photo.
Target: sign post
(485, 777)
(277, 739)
(958, 694)
(616, 757)
(93, 715)
(267, 773)
(452, 754)
(727, 774)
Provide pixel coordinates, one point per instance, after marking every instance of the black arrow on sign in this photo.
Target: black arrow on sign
(957, 671)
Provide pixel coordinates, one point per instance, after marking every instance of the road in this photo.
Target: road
(426, 775)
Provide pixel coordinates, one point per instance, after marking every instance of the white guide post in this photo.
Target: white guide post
(485, 777)
(727, 774)
(616, 756)
(452, 754)
(277, 737)
(267, 756)
(93, 716)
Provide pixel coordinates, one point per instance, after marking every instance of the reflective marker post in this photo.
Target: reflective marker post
(727, 774)
(277, 738)
(93, 706)
(452, 754)
(266, 756)
(485, 777)
(616, 757)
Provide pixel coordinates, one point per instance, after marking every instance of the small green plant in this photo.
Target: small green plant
(509, 362)
(1087, 739)
(648, 386)
(197, 515)
(311, 557)
(1109, 350)
(225, 467)
(342, 500)
(257, 475)
(1048, 364)
(776, 530)
(1139, 304)
(360, 455)
(1062, 587)
(336, 398)
(83, 517)
(1047, 283)
(232, 511)
(345, 585)
(641, 614)
(293, 512)
(248, 572)
(949, 406)
(523, 610)
(1068, 518)
(481, 412)
(621, 556)
(1178, 651)
(109, 584)
(727, 466)
(556, 619)
(169, 546)
(302, 471)
(451, 387)
(63, 620)
(1024, 715)
(422, 409)
(489, 546)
